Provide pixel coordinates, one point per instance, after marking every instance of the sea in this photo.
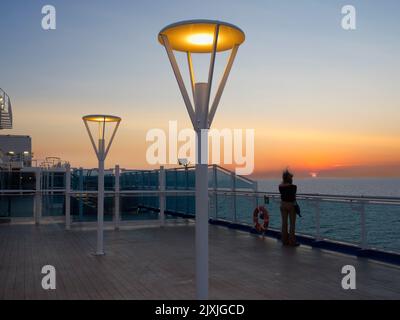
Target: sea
(386, 187)
(341, 221)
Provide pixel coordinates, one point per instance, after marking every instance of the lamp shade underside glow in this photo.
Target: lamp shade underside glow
(101, 118)
(197, 36)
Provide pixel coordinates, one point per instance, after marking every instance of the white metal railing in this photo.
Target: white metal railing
(357, 203)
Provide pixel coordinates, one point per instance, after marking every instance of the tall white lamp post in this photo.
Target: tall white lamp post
(201, 36)
(101, 151)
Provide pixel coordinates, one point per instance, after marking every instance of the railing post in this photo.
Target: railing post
(38, 197)
(117, 216)
(364, 244)
(46, 178)
(255, 189)
(317, 220)
(176, 188)
(234, 196)
(68, 197)
(161, 188)
(187, 188)
(51, 176)
(81, 196)
(215, 185)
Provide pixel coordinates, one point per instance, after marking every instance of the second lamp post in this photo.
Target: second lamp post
(101, 150)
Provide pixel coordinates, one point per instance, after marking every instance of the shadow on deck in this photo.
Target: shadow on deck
(149, 262)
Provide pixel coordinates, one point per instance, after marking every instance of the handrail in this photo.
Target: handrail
(303, 196)
(322, 196)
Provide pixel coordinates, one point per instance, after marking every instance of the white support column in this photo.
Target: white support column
(161, 182)
(38, 197)
(215, 185)
(100, 201)
(201, 224)
(117, 215)
(233, 178)
(68, 197)
(201, 91)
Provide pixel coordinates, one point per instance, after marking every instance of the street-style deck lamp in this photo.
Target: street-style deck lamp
(201, 36)
(104, 122)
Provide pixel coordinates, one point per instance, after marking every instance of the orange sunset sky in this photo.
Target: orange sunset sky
(321, 99)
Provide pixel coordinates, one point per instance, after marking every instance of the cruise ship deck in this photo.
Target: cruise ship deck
(146, 261)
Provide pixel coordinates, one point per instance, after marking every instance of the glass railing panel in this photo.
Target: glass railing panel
(191, 178)
(154, 180)
(182, 204)
(339, 221)
(244, 208)
(53, 205)
(59, 180)
(211, 178)
(383, 226)
(273, 206)
(306, 224)
(225, 207)
(17, 180)
(84, 208)
(170, 203)
(181, 179)
(170, 179)
(144, 180)
(109, 182)
(129, 181)
(191, 204)
(138, 207)
(126, 181)
(212, 206)
(52, 180)
(147, 179)
(241, 183)
(76, 179)
(14, 206)
(224, 180)
(89, 181)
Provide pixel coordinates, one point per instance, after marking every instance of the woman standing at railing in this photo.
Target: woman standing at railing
(288, 200)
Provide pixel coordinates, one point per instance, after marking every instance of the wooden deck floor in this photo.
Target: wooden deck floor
(158, 263)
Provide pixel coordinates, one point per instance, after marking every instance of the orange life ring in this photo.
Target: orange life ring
(265, 218)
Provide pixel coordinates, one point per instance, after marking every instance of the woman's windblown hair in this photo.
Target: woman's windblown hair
(287, 176)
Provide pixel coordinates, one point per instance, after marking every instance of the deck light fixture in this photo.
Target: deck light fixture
(101, 151)
(201, 36)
